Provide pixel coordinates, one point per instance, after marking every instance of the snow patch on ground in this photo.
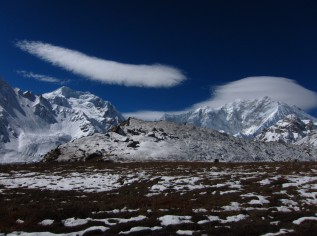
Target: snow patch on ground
(141, 228)
(280, 232)
(174, 220)
(79, 233)
(302, 219)
(235, 218)
(185, 232)
(72, 222)
(46, 222)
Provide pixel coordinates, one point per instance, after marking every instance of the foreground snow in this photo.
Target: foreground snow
(219, 197)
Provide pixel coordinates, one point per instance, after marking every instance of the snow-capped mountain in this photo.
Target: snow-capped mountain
(288, 130)
(242, 118)
(136, 140)
(32, 125)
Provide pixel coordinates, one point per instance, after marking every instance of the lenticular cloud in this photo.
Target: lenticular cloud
(277, 88)
(102, 70)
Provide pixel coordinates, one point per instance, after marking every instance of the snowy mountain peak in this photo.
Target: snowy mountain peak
(27, 94)
(67, 92)
(31, 125)
(243, 117)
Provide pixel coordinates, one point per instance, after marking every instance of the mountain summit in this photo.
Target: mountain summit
(241, 118)
(32, 125)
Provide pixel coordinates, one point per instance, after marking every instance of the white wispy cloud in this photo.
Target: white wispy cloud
(39, 77)
(102, 70)
(277, 88)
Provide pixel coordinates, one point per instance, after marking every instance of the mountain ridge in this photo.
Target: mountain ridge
(241, 118)
(31, 125)
(136, 140)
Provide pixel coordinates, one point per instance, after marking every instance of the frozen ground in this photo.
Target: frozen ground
(159, 198)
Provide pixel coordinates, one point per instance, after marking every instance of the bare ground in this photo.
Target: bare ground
(216, 198)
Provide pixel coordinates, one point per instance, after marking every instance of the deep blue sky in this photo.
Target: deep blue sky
(212, 42)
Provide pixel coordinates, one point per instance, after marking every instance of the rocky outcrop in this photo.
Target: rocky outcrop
(148, 141)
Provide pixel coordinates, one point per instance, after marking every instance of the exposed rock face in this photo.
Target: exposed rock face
(164, 140)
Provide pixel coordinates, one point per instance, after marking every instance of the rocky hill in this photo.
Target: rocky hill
(136, 140)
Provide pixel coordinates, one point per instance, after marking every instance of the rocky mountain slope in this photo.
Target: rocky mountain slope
(291, 129)
(309, 140)
(32, 125)
(136, 140)
(241, 118)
